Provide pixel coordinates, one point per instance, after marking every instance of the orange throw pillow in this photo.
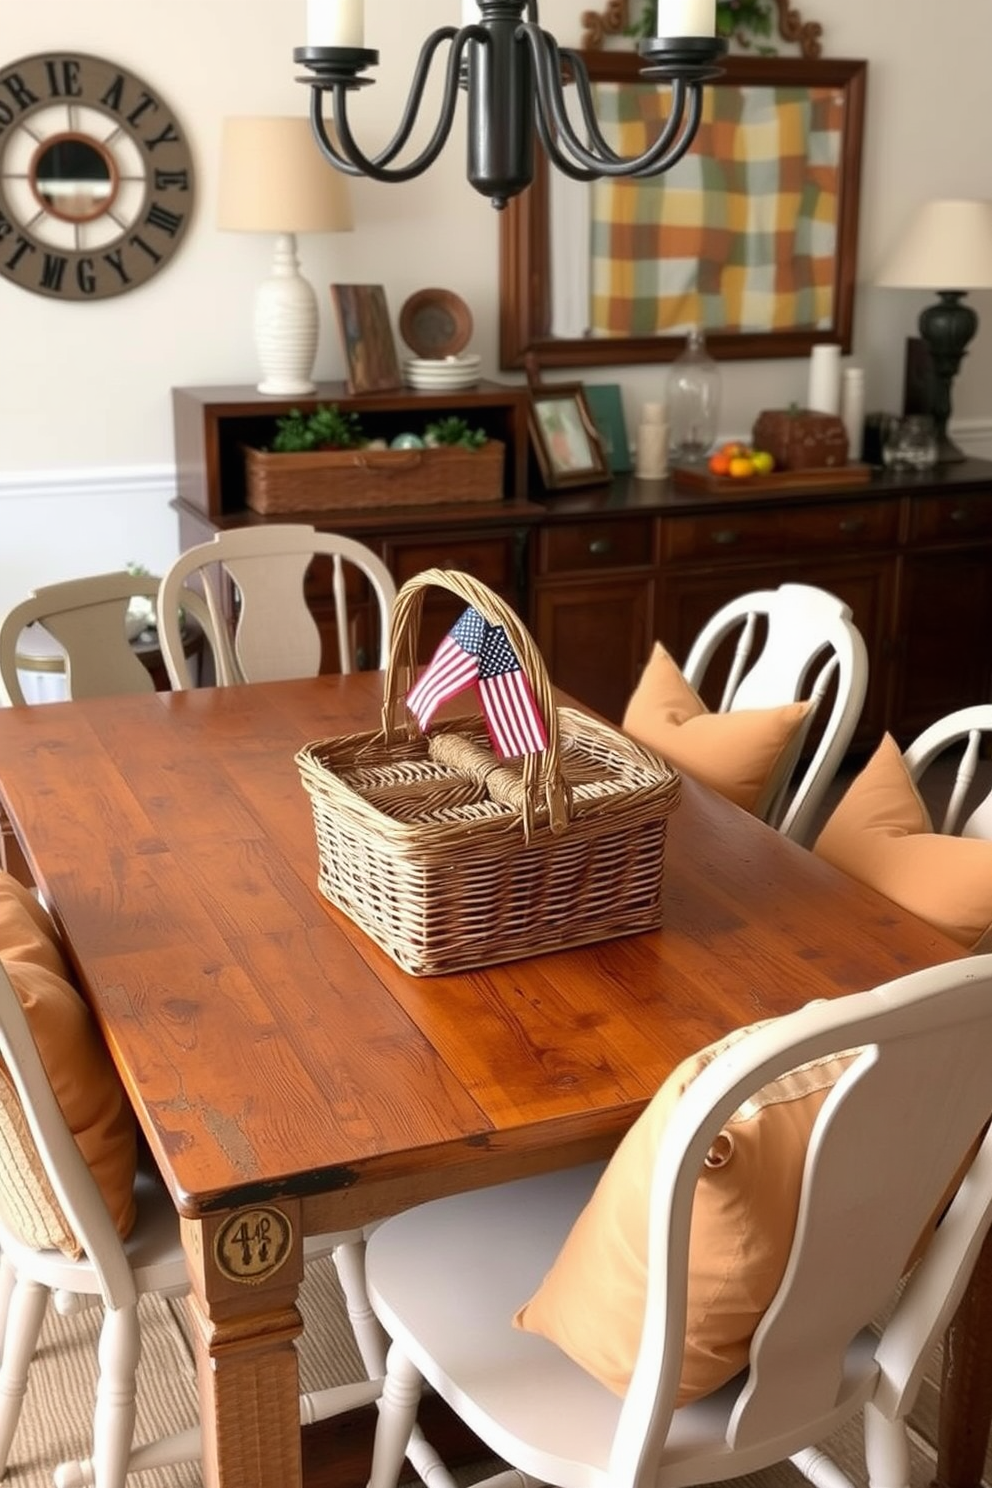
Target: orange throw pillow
(80, 1069)
(740, 755)
(881, 834)
(591, 1303)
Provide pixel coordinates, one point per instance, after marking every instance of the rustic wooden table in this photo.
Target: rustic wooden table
(285, 1071)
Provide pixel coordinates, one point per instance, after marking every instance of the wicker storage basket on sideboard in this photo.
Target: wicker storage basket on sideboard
(320, 480)
(450, 858)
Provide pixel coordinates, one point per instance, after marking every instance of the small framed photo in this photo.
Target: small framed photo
(566, 441)
(606, 406)
(363, 319)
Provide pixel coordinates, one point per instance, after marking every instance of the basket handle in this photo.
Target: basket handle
(543, 781)
(388, 462)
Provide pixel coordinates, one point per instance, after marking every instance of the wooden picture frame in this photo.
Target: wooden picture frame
(537, 238)
(566, 441)
(367, 336)
(605, 401)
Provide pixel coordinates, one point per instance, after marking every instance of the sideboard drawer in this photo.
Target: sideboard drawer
(780, 528)
(489, 560)
(589, 547)
(944, 518)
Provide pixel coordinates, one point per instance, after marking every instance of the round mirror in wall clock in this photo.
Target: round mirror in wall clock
(96, 177)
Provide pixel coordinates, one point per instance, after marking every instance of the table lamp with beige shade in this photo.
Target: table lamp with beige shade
(273, 179)
(949, 244)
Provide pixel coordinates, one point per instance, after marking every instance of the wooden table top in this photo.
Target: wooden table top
(271, 1050)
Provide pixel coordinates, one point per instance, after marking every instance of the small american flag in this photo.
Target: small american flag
(474, 651)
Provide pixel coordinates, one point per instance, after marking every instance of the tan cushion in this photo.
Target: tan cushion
(880, 833)
(591, 1303)
(740, 754)
(79, 1067)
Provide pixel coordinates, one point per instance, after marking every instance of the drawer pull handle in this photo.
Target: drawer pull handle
(725, 536)
(852, 524)
(599, 546)
(960, 514)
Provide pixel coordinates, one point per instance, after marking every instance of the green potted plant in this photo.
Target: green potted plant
(454, 431)
(325, 428)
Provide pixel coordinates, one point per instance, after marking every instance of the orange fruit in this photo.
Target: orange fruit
(741, 467)
(719, 464)
(732, 447)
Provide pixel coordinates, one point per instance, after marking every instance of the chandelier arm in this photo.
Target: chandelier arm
(587, 104)
(552, 111)
(559, 160)
(684, 143)
(349, 157)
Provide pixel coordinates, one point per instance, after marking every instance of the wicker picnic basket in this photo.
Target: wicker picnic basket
(451, 858)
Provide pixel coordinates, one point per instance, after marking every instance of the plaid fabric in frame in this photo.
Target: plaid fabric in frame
(750, 215)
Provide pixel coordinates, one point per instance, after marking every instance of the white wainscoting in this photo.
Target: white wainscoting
(63, 524)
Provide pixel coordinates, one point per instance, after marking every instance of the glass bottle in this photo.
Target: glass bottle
(693, 400)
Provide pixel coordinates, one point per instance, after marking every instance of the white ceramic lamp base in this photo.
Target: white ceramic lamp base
(286, 324)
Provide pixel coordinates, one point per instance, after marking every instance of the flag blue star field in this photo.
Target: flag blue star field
(476, 652)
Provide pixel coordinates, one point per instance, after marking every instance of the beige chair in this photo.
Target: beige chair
(968, 809)
(88, 618)
(886, 1149)
(791, 643)
(269, 634)
(113, 1273)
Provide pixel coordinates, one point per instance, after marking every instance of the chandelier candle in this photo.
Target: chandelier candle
(510, 70)
(335, 23)
(686, 18)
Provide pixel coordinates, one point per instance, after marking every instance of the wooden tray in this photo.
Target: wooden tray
(821, 478)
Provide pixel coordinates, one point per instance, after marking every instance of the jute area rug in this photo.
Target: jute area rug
(56, 1419)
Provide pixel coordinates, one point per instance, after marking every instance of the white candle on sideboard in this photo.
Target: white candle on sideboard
(824, 380)
(686, 18)
(653, 413)
(852, 410)
(335, 23)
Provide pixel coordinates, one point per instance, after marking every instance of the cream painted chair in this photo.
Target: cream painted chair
(791, 643)
(111, 1273)
(88, 619)
(967, 813)
(885, 1149)
(273, 636)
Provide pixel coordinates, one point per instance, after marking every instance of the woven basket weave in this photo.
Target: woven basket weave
(450, 858)
(321, 480)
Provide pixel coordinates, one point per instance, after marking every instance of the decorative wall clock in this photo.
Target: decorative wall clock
(96, 177)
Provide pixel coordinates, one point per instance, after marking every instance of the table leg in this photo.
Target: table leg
(966, 1383)
(246, 1268)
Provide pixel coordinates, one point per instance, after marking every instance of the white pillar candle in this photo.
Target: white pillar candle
(852, 410)
(653, 413)
(471, 14)
(686, 18)
(335, 23)
(824, 380)
(651, 455)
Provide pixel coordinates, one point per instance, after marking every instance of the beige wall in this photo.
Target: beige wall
(84, 388)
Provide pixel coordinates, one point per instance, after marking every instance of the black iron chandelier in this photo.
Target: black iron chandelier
(512, 73)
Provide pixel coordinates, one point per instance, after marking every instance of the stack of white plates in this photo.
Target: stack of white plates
(441, 374)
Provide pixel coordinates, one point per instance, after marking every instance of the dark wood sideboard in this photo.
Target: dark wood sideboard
(599, 573)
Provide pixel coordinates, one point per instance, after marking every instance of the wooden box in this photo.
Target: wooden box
(801, 440)
(320, 480)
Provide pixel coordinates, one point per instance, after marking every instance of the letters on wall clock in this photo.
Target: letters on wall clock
(96, 177)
